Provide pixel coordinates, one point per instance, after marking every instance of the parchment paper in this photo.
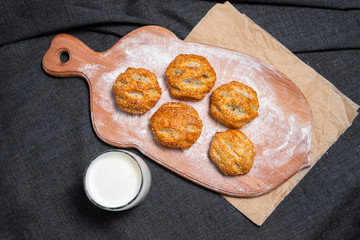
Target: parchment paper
(226, 27)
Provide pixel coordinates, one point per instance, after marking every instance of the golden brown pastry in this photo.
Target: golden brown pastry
(176, 125)
(190, 77)
(232, 151)
(137, 90)
(234, 104)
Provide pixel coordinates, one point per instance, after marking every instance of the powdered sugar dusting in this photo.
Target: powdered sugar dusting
(89, 69)
(276, 149)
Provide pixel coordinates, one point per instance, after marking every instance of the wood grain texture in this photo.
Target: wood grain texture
(281, 133)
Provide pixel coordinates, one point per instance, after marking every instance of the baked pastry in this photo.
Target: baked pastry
(190, 77)
(176, 125)
(234, 104)
(137, 90)
(232, 151)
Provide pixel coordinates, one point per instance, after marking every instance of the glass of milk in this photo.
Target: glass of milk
(117, 180)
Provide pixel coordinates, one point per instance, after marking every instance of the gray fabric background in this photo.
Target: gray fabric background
(46, 136)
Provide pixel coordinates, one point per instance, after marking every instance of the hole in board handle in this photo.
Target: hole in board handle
(64, 56)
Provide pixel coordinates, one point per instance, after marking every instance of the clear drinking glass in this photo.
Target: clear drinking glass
(117, 180)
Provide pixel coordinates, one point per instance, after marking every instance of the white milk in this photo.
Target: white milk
(114, 180)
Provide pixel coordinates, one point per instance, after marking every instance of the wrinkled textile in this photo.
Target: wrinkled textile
(47, 138)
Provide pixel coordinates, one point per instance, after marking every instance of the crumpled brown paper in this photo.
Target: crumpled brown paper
(224, 26)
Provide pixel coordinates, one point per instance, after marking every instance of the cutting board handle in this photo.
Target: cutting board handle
(76, 53)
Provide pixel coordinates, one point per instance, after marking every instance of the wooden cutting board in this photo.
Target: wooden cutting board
(281, 133)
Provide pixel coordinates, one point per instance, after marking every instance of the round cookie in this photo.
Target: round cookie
(190, 77)
(137, 90)
(176, 125)
(234, 104)
(232, 151)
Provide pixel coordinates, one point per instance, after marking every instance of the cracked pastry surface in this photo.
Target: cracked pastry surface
(234, 104)
(176, 125)
(137, 90)
(232, 151)
(190, 77)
